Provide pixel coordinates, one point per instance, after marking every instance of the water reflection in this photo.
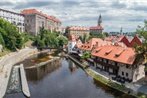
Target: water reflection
(58, 82)
(72, 66)
(37, 73)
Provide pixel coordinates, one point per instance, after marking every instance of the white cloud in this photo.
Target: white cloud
(115, 13)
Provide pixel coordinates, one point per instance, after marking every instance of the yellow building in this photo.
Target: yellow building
(78, 31)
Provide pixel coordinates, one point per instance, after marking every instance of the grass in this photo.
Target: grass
(113, 85)
(107, 82)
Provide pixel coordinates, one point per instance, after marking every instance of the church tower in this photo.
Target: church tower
(99, 20)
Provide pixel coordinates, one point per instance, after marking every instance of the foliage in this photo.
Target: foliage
(49, 39)
(142, 50)
(62, 40)
(99, 35)
(10, 37)
(84, 38)
(86, 55)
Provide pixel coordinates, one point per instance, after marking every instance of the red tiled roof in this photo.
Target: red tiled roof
(125, 40)
(34, 11)
(116, 53)
(91, 43)
(135, 41)
(96, 28)
(78, 28)
(72, 38)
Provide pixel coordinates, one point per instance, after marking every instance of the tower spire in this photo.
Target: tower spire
(121, 30)
(99, 20)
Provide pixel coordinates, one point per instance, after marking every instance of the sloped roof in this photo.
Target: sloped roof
(116, 53)
(78, 28)
(34, 11)
(91, 43)
(99, 27)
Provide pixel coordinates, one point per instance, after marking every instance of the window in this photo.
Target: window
(122, 73)
(127, 74)
(127, 66)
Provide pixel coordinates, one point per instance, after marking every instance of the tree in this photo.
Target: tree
(141, 51)
(84, 38)
(86, 55)
(62, 40)
(49, 39)
(10, 37)
(99, 35)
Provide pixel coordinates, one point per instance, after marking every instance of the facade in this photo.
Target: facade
(115, 58)
(78, 31)
(119, 61)
(71, 43)
(14, 18)
(35, 20)
(95, 30)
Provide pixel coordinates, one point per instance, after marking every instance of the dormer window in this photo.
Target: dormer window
(96, 51)
(119, 53)
(107, 52)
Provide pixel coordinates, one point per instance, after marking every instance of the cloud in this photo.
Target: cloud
(115, 13)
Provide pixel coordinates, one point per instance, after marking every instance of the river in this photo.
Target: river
(67, 81)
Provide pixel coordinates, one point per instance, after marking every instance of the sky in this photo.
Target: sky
(127, 14)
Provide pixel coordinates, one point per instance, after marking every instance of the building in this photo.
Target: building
(127, 40)
(71, 43)
(15, 18)
(115, 58)
(135, 41)
(92, 43)
(119, 61)
(35, 20)
(78, 31)
(95, 30)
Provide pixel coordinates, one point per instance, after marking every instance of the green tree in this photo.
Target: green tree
(62, 40)
(9, 36)
(142, 49)
(84, 38)
(86, 55)
(47, 38)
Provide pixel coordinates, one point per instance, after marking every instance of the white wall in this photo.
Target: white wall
(122, 68)
(71, 45)
(139, 73)
(134, 74)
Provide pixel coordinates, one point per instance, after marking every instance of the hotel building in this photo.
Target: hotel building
(15, 18)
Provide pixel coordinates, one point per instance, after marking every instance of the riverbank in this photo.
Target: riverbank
(7, 62)
(108, 82)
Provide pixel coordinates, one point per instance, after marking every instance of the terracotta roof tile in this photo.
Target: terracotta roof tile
(78, 28)
(34, 11)
(96, 28)
(117, 53)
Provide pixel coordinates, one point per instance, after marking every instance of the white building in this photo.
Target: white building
(14, 18)
(119, 61)
(71, 43)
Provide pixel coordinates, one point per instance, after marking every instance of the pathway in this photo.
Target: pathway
(6, 64)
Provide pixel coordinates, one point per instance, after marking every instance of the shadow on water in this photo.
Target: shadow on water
(65, 80)
(107, 89)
